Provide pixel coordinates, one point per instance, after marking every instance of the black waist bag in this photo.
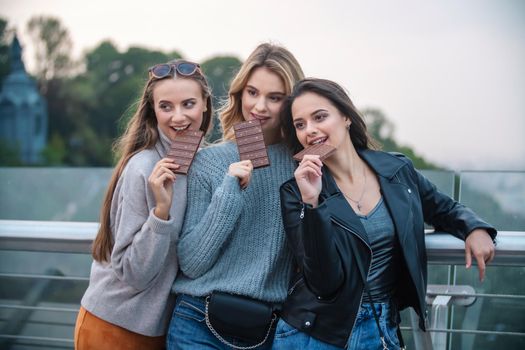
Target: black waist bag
(238, 316)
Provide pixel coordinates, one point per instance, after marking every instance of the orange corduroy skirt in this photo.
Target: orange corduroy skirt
(93, 333)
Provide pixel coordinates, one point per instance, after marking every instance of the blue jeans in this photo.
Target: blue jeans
(365, 334)
(287, 337)
(188, 329)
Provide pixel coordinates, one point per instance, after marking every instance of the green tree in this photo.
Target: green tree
(119, 79)
(382, 130)
(4, 49)
(90, 102)
(9, 154)
(52, 45)
(54, 67)
(55, 151)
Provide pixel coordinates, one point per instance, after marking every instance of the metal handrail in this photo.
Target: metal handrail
(47, 236)
(40, 308)
(468, 331)
(445, 249)
(76, 237)
(33, 338)
(44, 277)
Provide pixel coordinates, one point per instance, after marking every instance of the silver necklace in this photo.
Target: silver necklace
(358, 202)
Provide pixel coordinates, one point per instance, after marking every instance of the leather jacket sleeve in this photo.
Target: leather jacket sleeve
(446, 214)
(309, 233)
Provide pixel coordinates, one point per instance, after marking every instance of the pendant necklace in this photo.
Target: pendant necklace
(358, 202)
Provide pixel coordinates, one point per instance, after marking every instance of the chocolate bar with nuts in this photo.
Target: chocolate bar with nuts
(250, 143)
(184, 148)
(322, 150)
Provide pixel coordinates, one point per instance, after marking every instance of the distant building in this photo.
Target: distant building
(23, 111)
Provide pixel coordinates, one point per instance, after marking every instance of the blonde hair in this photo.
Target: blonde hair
(273, 57)
(141, 133)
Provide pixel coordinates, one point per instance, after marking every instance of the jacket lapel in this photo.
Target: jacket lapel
(339, 207)
(397, 199)
(395, 194)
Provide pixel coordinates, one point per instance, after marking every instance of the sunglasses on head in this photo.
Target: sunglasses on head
(163, 70)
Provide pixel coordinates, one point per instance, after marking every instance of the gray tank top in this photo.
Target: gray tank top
(383, 273)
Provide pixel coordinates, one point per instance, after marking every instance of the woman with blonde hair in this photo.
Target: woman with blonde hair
(232, 252)
(127, 304)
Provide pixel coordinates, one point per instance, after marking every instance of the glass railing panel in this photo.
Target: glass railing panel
(444, 180)
(40, 295)
(501, 310)
(52, 194)
(499, 197)
(75, 194)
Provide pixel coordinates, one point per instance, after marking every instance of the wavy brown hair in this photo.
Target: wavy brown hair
(141, 133)
(273, 57)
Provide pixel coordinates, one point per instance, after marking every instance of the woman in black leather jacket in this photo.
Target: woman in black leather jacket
(358, 216)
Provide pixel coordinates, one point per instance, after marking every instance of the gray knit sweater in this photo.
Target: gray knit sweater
(133, 289)
(233, 240)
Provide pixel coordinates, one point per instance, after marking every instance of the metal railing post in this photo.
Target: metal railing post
(19, 318)
(422, 339)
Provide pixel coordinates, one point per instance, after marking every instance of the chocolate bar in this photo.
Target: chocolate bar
(250, 143)
(322, 150)
(184, 148)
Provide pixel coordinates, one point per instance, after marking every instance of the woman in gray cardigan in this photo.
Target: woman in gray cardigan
(128, 303)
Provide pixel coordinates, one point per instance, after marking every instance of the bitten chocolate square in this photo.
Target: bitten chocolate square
(250, 143)
(322, 150)
(184, 148)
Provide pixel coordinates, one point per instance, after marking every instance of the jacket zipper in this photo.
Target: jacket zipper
(368, 272)
(292, 288)
(290, 291)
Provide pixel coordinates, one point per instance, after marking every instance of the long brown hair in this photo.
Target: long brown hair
(140, 134)
(274, 57)
(334, 93)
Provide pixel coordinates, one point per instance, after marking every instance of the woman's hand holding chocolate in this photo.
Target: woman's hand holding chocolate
(308, 177)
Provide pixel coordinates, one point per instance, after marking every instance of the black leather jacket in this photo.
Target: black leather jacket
(325, 296)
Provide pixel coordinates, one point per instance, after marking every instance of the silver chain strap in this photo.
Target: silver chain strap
(383, 342)
(224, 341)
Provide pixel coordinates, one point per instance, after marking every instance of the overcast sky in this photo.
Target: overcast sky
(449, 74)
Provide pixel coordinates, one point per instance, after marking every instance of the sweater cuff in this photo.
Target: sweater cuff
(230, 185)
(159, 226)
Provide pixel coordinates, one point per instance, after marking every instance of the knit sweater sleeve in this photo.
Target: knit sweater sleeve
(211, 215)
(141, 239)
